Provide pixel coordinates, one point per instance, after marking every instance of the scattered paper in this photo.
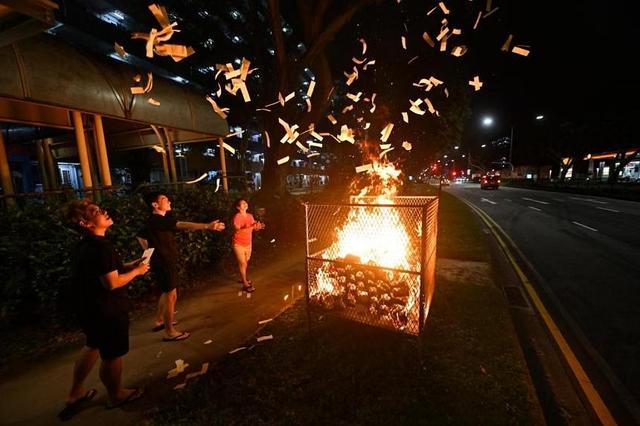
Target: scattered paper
(180, 367)
(332, 119)
(202, 177)
(208, 342)
(412, 59)
(347, 108)
(368, 63)
(241, 348)
(346, 134)
(486, 15)
(444, 8)
(265, 321)
(383, 153)
(303, 148)
(268, 139)
(373, 103)
(406, 145)
(153, 102)
(477, 20)
(405, 117)
(459, 51)
(403, 40)
(180, 386)
(222, 112)
(354, 98)
(316, 144)
(263, 338)
(203, 370)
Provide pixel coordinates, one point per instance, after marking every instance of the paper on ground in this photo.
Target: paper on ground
(241, 348)
(263, 338)
(265, 321)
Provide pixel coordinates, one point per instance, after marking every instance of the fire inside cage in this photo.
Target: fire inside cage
(373, 260)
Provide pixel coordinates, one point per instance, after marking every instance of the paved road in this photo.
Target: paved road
(587, 252)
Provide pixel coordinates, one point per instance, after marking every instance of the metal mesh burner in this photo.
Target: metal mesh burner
(373, 263)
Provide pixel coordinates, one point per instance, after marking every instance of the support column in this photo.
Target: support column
(101, 148)
(50, 163)
(42, 165)
(223, 165)
(170, 154)
(82, 150)
(165, 160)
(5, 174)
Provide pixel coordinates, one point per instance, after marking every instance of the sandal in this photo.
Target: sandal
(182, 336)
(249, 288)
(71, 409)
(133, 396)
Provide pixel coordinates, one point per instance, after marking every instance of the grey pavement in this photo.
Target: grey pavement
(216, 313)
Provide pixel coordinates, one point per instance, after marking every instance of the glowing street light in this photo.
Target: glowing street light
(539, 117)
(487, 121)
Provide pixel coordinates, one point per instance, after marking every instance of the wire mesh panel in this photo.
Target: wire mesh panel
(373, 263)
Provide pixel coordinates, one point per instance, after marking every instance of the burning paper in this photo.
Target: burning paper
(476, 83)
(220, 111)
(312, 86)
(332, 119)
(119, 50)
(228, 147)
(364, 168)
(406, 145)
(364, 45)
(373, 99)
(444, 8)
(283, 160)
(405, 117)
(520, 51)
(346, 134)
(428, 39)
(507, 43)
(354, 98)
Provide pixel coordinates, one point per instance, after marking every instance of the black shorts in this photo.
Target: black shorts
(166, 278)
(108, 334)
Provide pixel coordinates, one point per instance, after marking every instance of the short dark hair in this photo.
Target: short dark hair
(75, 211)
(152, 197)
(238, 201)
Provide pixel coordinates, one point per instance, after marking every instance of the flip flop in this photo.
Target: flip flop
(161, 327)
(182, 336)
(249, 289)
(71, 409)
(133, 396)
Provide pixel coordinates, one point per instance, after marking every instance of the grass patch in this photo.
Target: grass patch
(459, 233)
(344, 373)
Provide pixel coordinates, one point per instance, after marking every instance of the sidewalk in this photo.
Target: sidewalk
(216, 313)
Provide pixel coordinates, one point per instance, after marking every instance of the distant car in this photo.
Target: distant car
(445, 182)
(489, 181)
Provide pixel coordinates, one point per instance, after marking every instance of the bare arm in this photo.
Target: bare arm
(216, 225)
(114, 280)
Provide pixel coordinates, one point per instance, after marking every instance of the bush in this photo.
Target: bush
(35, 275)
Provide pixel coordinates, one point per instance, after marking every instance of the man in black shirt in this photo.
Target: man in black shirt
(159, 233)
(100, 280)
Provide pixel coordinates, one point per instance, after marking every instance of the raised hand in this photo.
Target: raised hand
(216, 225)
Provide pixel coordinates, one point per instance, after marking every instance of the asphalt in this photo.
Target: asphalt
(583, 252)
(217, 312)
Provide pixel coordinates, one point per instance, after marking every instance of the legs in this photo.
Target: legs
(111, 377)
(170, 299)
(162, 302)
(243, 254)
(85, 362)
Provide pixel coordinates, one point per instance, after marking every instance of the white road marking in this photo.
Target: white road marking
(535, 201)
(609, 210)
(507, 199)
(584, 226)
(589, 199)
(534, 208)
(488, 201)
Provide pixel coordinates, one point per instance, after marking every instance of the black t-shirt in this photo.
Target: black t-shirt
(160, 233)
(93, 257)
